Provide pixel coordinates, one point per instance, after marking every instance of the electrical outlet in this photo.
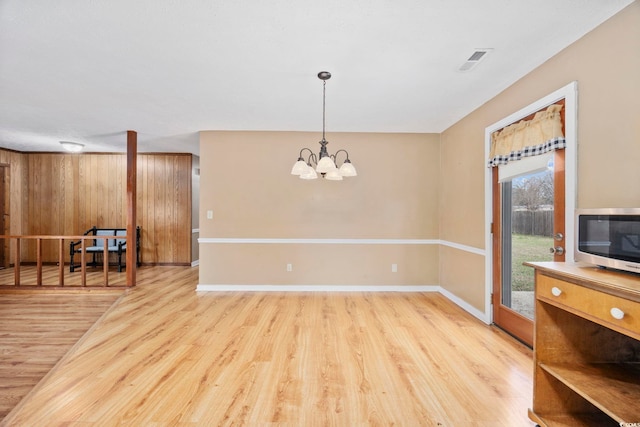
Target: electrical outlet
(289, 267)
(394, 268)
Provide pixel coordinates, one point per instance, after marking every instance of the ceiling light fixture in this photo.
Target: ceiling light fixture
(325, 163)
(74, 147)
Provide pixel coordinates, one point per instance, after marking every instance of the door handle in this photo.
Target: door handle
(558, 250)
(558, 236)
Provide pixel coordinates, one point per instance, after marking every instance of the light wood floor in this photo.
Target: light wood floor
(36, 330)
(166, 355)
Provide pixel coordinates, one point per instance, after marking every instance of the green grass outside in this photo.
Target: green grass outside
(528, 248)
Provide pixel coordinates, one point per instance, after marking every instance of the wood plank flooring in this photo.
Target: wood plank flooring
(166, 355)
(36, 330)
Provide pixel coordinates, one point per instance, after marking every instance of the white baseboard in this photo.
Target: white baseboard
(195, 263)
(313, 288)
(483, 317)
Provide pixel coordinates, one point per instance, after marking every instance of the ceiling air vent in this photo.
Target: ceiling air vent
(477, 56)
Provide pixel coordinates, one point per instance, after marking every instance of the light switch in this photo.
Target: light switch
(209, 214)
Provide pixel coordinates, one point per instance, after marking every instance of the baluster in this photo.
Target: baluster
(61, 262)
(38, 261)
(83, 262)
(105, 262)
(16, 264)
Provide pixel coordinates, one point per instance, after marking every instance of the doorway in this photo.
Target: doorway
(531, 209)
(4, 215)
(528, 226)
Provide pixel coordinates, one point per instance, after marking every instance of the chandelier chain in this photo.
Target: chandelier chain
(324, 86)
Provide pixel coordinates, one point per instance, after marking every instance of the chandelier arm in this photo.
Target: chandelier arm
(345, 152)
(301, 151)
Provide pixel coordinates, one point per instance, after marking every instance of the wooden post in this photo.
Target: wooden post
(132, 149)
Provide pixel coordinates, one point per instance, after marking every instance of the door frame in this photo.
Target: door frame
(5, 194)
(570, 94)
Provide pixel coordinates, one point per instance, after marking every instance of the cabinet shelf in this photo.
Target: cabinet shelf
(608, 386)
(575, 420)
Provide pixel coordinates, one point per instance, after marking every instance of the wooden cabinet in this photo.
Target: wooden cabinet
(586, 346)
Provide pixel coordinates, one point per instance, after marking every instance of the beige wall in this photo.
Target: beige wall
(246, 182)
(606, 65)
(412, 186)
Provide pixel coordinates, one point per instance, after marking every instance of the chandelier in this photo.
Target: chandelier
(325, 164)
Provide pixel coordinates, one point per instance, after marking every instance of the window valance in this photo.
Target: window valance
(528, 138)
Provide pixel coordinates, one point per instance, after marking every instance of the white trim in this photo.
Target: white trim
(570, 94)
(466, 306)
(219, 240)
(465, 248)
(313, 288)
(225, 240)
(195, 230)
(571, 169)
(195, 263)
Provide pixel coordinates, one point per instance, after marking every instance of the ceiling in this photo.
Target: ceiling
(87, 71)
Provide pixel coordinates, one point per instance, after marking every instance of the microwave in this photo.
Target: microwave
(609, 238)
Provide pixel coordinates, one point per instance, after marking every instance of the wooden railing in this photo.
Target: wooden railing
(15, 245)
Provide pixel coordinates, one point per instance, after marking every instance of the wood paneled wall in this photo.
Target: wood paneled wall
(66, 194)
(164, 206)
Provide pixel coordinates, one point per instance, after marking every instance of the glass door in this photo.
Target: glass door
(528, 226)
